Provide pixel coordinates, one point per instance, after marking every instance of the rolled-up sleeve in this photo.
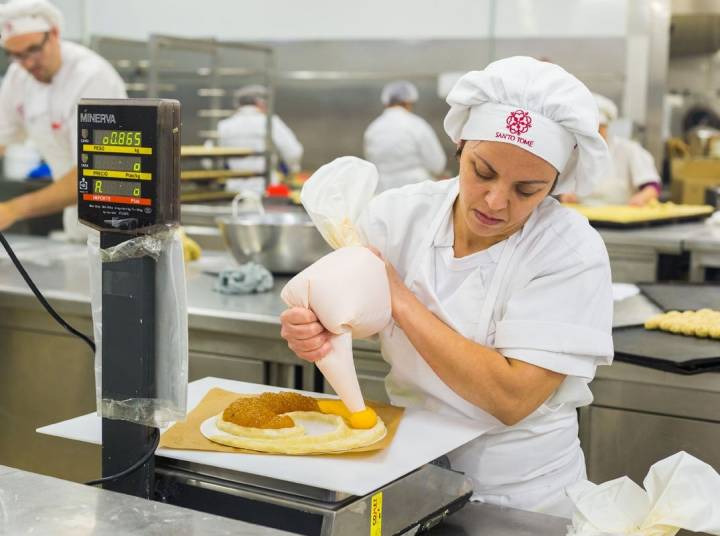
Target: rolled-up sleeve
(642, 166)
(561, 320)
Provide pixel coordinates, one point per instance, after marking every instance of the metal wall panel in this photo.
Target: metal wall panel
(629, 442)
(328, 92)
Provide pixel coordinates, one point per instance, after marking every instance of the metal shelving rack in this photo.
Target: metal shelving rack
(207, 184)
(198, 72)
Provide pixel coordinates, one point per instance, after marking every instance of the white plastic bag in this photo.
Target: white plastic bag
(681, 492)
(171, 342)
(348, 289)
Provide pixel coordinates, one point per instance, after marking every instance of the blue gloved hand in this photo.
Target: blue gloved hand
(40, 172)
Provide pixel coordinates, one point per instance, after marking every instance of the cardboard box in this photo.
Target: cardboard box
(691, 177)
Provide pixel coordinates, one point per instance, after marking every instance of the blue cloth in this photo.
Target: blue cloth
(246, 279)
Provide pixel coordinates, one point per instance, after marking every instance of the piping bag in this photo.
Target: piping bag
(348, 289)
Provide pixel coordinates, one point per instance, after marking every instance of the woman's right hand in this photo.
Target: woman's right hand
(305, 335)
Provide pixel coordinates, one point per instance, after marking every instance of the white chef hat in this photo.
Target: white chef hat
(19, 17)
(606, 107)
(537, 106)
(399, 91)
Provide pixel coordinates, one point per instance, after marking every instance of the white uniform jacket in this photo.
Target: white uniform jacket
(47, 113)
(404, 148)
(632, 167)
(543, 296)
(246, 128)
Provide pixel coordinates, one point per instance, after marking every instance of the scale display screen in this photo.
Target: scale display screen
(116, 162)
(105, 187)
(128, 164)
(128, 138)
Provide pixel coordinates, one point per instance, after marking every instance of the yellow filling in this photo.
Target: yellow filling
(364, 419)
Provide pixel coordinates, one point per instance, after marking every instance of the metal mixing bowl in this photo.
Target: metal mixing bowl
(283, 242)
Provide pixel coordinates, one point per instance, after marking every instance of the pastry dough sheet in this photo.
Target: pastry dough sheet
(313, 433)
(187, 435)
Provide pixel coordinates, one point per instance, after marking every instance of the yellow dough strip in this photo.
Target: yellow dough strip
(363, 420)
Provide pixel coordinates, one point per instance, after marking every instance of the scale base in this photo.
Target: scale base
(410, 505)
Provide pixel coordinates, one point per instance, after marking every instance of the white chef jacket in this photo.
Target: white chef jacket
(246, 128)
(631, 167)
(47, 113)
(548, 300)
(404, 148)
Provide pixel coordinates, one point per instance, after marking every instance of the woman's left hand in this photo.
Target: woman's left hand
(400, 295)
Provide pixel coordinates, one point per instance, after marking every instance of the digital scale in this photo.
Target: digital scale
(412, 504)
(128, 164)
(128, 186)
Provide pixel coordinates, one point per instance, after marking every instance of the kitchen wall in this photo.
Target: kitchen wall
(606, 43)
(253, 20)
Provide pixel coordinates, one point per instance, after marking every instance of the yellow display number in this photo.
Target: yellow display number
(376, 506)
(122, 137)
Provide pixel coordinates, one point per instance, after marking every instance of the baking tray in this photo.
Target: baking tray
(666, 351)
(683, 213)
(606, 224)
(669, 351)
(682, 296)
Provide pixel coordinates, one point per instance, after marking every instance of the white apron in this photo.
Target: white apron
(412, 382)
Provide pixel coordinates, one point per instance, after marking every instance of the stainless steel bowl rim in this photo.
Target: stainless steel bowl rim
(261, 222)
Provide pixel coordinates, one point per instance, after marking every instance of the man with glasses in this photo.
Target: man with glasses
(38, 100)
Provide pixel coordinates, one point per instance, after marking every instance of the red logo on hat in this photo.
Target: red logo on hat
(518, 122)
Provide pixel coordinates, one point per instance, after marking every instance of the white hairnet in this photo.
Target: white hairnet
(399, 91)
(248, 94)
(537, 106)
(19, 17)
(606, 107)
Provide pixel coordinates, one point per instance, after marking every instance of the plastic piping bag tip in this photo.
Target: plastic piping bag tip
(339, 370)
(364, 419)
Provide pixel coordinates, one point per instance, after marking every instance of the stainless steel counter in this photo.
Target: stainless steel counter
(635, 253)
(65, 281)
(704, 248)
(36, 504)
(487, 520)
(663, 239)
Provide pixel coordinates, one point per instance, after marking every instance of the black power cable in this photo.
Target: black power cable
(40, 297)
(134, 467)
(60, 320)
